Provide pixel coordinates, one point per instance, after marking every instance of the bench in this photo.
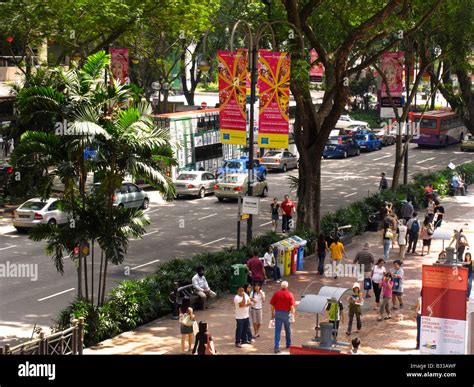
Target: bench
(189, 292)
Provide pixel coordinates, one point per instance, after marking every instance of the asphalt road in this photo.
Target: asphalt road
(182, 228)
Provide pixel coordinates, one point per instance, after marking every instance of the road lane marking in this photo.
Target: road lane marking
(9, 247)
(425, 160)
(57, 294)
(351, 194)
(152, 232)
(208, 216)
(265, 223)
(145, 264)
(217, 240)
(380, 158)
(153, 211)
(410, 157)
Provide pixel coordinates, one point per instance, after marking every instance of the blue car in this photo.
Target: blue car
(368, 141)
(241, 166)
(341, 147)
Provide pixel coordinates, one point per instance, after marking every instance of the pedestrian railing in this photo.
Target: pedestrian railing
(67, 342)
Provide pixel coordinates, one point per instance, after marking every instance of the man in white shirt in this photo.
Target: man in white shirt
(270, 264)
(242, 317)
(202, 287)
(402, 232)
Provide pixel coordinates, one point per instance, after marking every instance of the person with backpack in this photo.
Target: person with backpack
(413, 226)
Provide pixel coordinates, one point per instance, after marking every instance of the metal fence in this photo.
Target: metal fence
(67, 342)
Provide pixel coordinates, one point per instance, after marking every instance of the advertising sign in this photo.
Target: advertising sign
(392, 67)
(119, 65)
(443, 312)
(274, 88)
(232, 70)
(250, 205)
(316, 71)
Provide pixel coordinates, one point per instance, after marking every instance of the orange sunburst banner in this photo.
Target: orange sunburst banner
(232, 70)
(274, 88)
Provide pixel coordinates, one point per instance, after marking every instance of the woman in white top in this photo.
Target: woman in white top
(270, 264)
(378, 272)
(256, 310)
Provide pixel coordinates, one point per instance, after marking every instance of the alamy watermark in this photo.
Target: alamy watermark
(349, 270)
(19, 270)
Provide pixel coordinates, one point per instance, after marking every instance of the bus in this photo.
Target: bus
(438, 128)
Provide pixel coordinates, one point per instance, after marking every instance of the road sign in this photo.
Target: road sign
(244, 216)
(250, 205)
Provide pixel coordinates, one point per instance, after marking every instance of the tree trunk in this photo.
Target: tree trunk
(92, 272)
(86, 283)
(99, 293)
(104, 278)
(465, 87)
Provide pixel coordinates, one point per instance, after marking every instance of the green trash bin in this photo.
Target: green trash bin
(238, 277)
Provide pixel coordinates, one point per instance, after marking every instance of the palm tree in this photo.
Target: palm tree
(83, 111)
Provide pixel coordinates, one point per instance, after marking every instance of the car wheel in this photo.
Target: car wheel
(146, 203)
(52, 222)
(20, 229)
(344, 156)
(285, 168)
(358, 152)
(177, 196)
(202, 193)
(264, 192)
(220, 199)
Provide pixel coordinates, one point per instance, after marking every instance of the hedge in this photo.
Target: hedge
(136, 302)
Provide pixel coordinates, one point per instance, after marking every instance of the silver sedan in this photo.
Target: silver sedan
(282, 160)
(195, 183)
(37, 211)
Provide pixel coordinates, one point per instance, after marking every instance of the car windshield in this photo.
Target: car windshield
(232, 165)
(361, 137)
(234, 179)
(272, 154)
(33, 205)
(187, 176)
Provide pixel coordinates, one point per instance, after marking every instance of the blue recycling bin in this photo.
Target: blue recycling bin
(300, 260)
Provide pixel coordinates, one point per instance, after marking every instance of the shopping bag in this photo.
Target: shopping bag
(271, 324)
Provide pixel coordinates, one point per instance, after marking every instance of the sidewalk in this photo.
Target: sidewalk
(395, 336)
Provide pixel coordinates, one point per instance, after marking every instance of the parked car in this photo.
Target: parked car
(128, 195)
(386, 136)
(241, 166)
(345, 121)
(37, 211)
(341, 147)
(467, 143)
(368, 141)
(196, 183)
(277, 159)
(232, 186)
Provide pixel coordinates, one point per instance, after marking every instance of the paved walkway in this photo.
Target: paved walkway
(397, 335)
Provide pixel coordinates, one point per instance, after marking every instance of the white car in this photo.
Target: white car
(345, 121)
(37, 211)
(196, 183)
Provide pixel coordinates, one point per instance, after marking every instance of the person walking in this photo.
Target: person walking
(406, 210)
(204, 343)
(256, 310)
(461, 243)
(256, 270)
(288, 209)
(413, 227)
(275, 214)
(242, 316)
(355, 303)
(322, 249)
(202, 287)
(383, 185)
(270, 265)
(378, 272)
(186, 324)
(430, 209)
(398, 276)
(336, 315)
(366, 259)
(387, 286)
(337, 252)
(402, 232)
(387, 240)
(439, 214)
(283, 311)
(426, 234)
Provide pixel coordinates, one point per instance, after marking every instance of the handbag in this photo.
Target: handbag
(367, 284)
(209, 349)
(389, 234)
(430, 231)
(187, 320)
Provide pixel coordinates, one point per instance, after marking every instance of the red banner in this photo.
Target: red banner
(316, 71)
(274, 88)
(119, 65)
(392, 67)
(232, 70)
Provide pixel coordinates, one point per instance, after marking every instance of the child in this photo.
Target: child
(397, 274)
(355, 302)
(387, 286)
